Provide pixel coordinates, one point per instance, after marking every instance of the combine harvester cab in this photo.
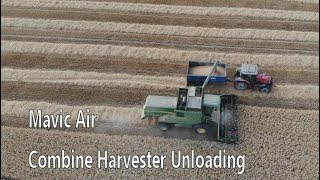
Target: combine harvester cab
(213, 115)
(156, 106)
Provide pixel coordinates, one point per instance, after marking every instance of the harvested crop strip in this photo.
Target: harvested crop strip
(143, 82)
(306, 1)
(165, 9)
(94, 26)
(166, 55)
(119, 115)
(90, 78)
(51, 75)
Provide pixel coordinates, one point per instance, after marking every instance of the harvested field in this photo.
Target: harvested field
(159, 54)
(137, 81)
(163, 41)
(162, 19)
(282, 74)
(89, 26)
(302, 5)
(279, 149)
(164, 9)
(106, 57)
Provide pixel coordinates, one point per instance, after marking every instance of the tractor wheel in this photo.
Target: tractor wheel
(201, 128)
(264, 89)
(240, 85)
(164, 126)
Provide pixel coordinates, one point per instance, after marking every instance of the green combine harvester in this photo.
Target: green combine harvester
(209, 114)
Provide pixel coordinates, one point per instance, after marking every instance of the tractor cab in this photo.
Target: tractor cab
(247, 76)
(248, 71)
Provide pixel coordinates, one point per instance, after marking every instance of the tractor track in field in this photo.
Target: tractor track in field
(161, 19)
(212, 47)
(162, 9)
(99, 95)
(164, 41)
(271, 4)
(159, 30)
(136, 66)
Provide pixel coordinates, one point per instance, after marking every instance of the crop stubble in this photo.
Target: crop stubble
(140, 66)
(249, 46)
(136, 81)
(165, 9)
(135, 96)
(302, 5)
(272, 133)
(89, 26)
(166, 55)
(218, 22)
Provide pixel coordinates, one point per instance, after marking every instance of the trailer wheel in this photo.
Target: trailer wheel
(201, 128)
(240, 85)
(164, 126)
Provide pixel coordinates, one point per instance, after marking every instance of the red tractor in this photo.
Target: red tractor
(247, 77)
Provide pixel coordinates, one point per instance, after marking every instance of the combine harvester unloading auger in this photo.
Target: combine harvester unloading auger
(209, 114)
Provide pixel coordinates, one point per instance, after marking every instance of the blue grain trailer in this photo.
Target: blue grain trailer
(197, 73)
